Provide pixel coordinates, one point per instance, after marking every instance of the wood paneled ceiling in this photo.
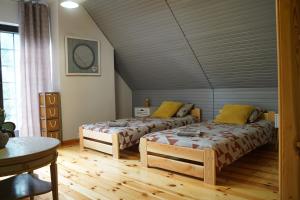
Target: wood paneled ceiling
(234, 40)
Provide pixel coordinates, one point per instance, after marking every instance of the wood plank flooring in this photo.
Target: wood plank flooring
(94, 175)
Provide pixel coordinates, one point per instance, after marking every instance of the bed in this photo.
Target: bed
(202, 156)
(101, 137)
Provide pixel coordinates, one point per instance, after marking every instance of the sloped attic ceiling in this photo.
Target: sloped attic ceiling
(234, 41)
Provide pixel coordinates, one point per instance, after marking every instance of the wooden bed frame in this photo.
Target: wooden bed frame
(193, 162)
(109, 143)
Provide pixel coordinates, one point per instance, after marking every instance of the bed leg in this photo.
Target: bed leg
(209, 167)
(115, 146)
(143, 152)
(81, 138)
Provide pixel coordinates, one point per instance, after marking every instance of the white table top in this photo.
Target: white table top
(20, 147)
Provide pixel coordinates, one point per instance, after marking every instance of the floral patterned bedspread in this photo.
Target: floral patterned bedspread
(229, 141)
(137, 127)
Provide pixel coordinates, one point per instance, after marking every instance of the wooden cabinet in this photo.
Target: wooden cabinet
(50, 114)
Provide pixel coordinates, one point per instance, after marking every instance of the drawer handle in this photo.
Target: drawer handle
(54, 100)
(53, 125)
(52, 114)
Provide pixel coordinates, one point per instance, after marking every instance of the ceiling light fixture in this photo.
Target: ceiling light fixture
(69, 4)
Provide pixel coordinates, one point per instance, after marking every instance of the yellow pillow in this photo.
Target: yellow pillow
(234, 114)
(167, 109)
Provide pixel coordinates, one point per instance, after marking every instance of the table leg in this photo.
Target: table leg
(32, 197)
(54, 182)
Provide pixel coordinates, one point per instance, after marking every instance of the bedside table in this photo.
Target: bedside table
(143, 111)
(275, 141)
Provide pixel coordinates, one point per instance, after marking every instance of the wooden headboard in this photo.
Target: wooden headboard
(270, 116)
(196, 113)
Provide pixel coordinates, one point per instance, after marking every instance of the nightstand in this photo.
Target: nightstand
(50, 117)
(143, 111)
(275, 141)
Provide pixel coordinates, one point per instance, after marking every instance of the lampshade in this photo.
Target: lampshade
(69, 4)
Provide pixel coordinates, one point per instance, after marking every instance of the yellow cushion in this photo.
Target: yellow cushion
(167, 109)
(234, 114)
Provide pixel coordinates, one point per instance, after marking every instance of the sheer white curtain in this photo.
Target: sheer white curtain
(35, 65)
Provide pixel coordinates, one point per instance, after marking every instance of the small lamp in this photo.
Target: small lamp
(69, 4)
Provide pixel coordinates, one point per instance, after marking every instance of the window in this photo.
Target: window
(9, 62)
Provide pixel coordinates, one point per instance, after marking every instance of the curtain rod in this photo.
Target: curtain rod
(33, 1)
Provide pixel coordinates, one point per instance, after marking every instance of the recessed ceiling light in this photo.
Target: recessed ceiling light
(69, 4)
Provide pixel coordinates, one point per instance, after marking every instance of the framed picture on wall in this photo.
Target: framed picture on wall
(82, 56)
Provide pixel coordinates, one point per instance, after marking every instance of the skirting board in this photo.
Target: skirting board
(70, 142)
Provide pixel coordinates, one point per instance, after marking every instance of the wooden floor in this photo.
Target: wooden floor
(93, 175)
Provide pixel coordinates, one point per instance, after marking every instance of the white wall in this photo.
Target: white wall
(202, 98)
(8, 12)
(84, 99)
(211, 101)
(123, 98)
(266, 98)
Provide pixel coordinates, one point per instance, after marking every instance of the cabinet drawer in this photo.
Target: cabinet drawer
(50, 125)
(49, 99)
(53, 134)
(49, 112)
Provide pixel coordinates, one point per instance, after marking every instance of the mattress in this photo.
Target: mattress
(230, 142)
(137, 127)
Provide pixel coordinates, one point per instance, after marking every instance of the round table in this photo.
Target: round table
(25, 154)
